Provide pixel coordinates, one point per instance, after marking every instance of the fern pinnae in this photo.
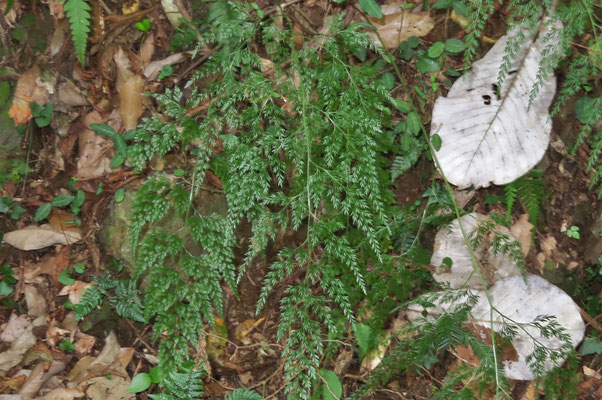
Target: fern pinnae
(78, 13)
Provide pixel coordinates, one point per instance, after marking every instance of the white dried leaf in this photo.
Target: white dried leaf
(449, 242)
(520, 302)
(489, 138)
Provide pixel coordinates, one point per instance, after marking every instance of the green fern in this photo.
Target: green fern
(125, 299)
(78, 13)
(529, 190)
(243, 394)
(187, 385)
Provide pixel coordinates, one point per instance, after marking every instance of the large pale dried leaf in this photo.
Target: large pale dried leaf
(37, 237)
(489, 138)
(101, 388)
(521, 302)
(40, 375)
(397, 26)
(14, 355)
(449, 242)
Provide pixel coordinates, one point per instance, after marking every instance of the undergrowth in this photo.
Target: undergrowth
(301, 139)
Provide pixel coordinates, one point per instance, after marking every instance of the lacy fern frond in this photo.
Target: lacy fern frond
(243, 394)
(78, 13)
(187, 385)
(124, 300)
(529, 190)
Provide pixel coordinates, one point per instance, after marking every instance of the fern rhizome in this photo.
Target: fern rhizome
(302, 142)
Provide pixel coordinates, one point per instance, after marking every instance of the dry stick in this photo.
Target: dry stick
(590, 321)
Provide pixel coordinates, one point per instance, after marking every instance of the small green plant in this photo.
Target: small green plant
(78, 13)
(122, 295)
(67, 346)
(8, 281)
(119, 141)
(144, 25)
(8, 206)
(63, 200)
(42, 115)
(573, 232)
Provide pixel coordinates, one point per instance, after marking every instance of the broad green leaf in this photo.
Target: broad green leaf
(117, 161)
(372, 8)
(413, 123)
(42, 212)
(140, 383)
(155, 374)
(17, 212)
(103, 130)
(454, 45)
(80, 197)
(436, 142)
(80, 268)
(426, 64)
(119, 195)
(388, 80)
(65, 278)
(364, 337)
(436, 49)
(591, 346)
(62, 200)
(334, 391)
(121, 146)
(584, 110)
(442, 4)
(402, 106)
(5, 288)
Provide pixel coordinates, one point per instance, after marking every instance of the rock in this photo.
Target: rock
(115, 235)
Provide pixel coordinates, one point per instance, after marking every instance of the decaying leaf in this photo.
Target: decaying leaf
(522, 231)
(488, 133)
(452, 260)
(19, 345)
(94, 150)
(36, 304)
(36, 237)
(397, 26)
(152, 70)
(29, 88)
(131, 89)
(521, 302)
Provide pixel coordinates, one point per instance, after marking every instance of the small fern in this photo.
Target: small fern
(186, 385)
(529, 190)
(243, 394)
(78, 13)
(125, 300)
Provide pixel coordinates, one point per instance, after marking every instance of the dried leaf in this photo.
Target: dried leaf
(62, 394)
(450, 246)
(522, 231)
(75, 291)
(488, 133)
(397, 26)
(152, 70)
(36, 304)
(521, 302)
(37, 237)
(130, 96)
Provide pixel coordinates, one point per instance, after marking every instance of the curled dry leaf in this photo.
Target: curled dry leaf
(131, 89)
(152, 70)
(488, 133)
(397, 26)
(94, 150)
(521, 302)
(450, 244)
(75, 291)
(37, 237)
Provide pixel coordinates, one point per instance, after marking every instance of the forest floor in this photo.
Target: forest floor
(47, 160)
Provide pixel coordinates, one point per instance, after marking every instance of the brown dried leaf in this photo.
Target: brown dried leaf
(397, 26)
(522, 232)
(152, 70)
(62, 394)
(37, 237)
(130, 96)
(75, 291)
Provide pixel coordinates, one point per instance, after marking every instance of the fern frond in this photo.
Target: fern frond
(243, 394)
(78, 13)
(186, 385)
(529, 189)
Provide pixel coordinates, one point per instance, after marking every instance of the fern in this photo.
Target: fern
(78, 13)
(125, 299)
(186, 385)
(529, 189)
(243, 394)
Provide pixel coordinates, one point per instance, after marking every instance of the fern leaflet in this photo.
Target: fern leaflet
(78, 13)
